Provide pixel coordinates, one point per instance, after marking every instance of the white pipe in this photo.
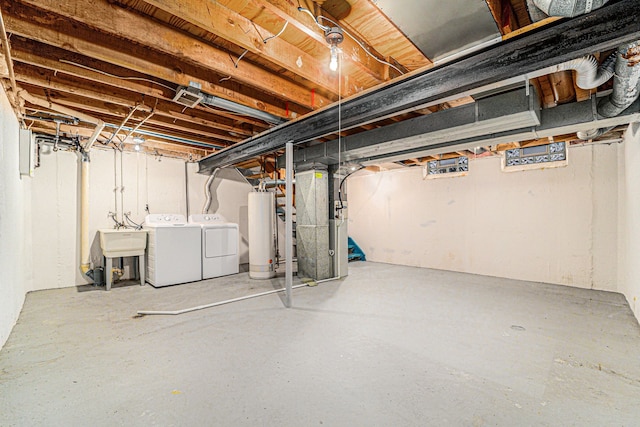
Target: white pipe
(124, 122)
(330, 279)
(84, 174)
(84, 214)
(288, 227)
(215, 304)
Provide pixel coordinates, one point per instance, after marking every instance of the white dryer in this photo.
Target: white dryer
(219, 245)
(173, 250)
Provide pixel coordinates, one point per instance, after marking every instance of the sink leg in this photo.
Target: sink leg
(108, 273)
(142, 268)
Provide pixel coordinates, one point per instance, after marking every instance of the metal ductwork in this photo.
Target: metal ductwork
(214, 101)
(588, 74)
(626, 87)
(626, 65)
(518, 60)
(625, 81)
(564, 8)
(191, 95)
(501, 118)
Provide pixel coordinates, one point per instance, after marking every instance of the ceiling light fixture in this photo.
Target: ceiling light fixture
(138, 140)
(334, 37)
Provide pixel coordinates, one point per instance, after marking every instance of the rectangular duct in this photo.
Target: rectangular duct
(493, 114)
(312, 224)
(560, 120)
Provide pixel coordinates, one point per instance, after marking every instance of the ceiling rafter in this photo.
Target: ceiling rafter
(218, 120)
(230, 25)
(100, 94)
(354, 55)
(125, 26)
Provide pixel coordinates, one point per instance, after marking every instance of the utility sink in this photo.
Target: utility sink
(123, 242)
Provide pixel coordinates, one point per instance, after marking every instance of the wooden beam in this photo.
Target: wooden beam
(218, 120)
(149, 145)
(367, 21)
(562, 86)
(230, 25)
(531, 27)
(287, 11)
(101, 94)
(602, 29)
(127, 25)
(115, 116)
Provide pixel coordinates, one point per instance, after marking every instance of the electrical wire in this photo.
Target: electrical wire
(360, 44)
(342, 182)
(235, 63)
(117, 77)
(325, 28)
(277, 35)
(322, 27)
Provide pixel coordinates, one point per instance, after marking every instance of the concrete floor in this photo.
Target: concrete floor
(388, 346)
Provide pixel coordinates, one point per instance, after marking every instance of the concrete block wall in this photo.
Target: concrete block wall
(629, 218)
(148, 180)
(554, 225)
(15, 222)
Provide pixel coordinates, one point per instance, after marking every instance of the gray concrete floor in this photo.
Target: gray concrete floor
(387, 346)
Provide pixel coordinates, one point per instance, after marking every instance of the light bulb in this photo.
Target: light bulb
(333, 64)
(136, 147)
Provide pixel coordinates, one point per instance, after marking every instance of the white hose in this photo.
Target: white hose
(589, 74)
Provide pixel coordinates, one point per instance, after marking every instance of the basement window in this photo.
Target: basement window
(538, 157)
(458, 166)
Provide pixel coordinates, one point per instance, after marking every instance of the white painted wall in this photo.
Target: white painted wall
(554, 225)
(629, 218)
(158, 182)
(15, 217)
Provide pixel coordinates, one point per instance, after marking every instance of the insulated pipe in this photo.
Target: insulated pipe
(626, 87)
(215, 304)
(568, 8)
(589, 74)
(207, 191)
(625, 82)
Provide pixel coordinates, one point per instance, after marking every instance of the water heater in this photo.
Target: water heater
(262, 250)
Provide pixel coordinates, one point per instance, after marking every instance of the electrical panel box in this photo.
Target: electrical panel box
(27, 152)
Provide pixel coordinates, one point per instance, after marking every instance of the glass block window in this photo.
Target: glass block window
(541, 154)
(448, 166)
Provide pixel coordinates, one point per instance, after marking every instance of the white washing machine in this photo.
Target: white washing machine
(219, 245)
(173, 250)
